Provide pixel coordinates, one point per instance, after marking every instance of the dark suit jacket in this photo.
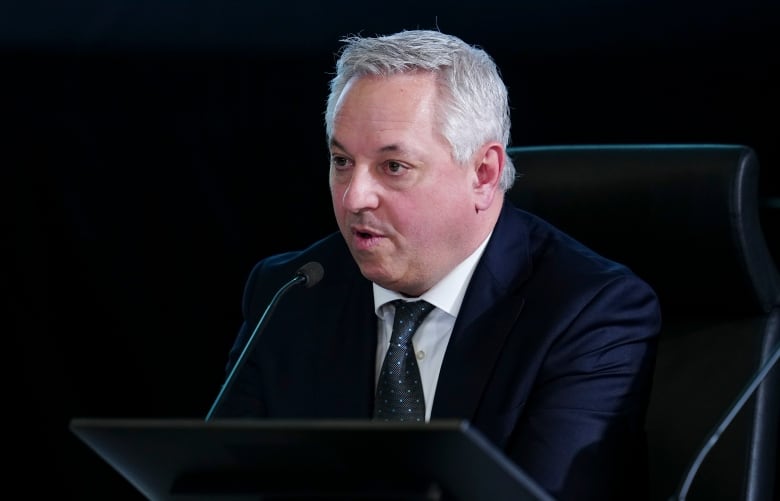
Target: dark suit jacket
(551, 356)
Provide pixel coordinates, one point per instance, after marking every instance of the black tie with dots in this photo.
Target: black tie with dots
(399, 393)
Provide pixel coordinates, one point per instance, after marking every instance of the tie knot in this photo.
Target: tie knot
(408, 317)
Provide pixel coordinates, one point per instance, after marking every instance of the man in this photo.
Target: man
(543, 345)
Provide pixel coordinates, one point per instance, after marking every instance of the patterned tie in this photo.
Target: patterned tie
(399, 393)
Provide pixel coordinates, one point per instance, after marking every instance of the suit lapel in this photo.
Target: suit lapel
(490, 308)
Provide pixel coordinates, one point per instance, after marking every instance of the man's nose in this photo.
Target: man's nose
(362, 191)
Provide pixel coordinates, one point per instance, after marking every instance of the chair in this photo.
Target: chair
(685, 218)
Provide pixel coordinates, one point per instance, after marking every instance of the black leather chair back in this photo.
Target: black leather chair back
(685, 218)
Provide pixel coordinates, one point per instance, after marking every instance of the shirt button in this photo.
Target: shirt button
(420, 355)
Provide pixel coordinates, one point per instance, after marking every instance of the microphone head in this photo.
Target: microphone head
(312, 272)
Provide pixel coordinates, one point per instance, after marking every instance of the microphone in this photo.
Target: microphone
(732, 411)
(309, 275)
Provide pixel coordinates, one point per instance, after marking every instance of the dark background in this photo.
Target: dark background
(153, 151)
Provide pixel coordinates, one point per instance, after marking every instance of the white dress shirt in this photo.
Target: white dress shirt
(430, 340)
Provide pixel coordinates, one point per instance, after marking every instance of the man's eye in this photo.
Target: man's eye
(395, 167)
(339, 161)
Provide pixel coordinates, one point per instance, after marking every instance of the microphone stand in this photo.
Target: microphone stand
(682, 492)
(299, 278)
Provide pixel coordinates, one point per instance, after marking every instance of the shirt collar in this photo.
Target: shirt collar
(447, 294)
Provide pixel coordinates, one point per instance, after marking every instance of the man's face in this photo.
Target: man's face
(403, 205)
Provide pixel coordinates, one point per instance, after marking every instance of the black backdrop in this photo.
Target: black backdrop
(153, 151)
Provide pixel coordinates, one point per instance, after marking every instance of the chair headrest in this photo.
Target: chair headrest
(683, 216)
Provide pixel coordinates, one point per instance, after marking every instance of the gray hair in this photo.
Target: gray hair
(474, 108)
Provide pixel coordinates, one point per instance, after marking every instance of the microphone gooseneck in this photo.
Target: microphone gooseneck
(310, 274)
(732, 411)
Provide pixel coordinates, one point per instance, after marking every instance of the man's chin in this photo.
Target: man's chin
(374, 272)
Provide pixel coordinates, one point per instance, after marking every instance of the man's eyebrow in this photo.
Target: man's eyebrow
(390, 147)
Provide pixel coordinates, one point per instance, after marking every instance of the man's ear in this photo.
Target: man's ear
(488, 169)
